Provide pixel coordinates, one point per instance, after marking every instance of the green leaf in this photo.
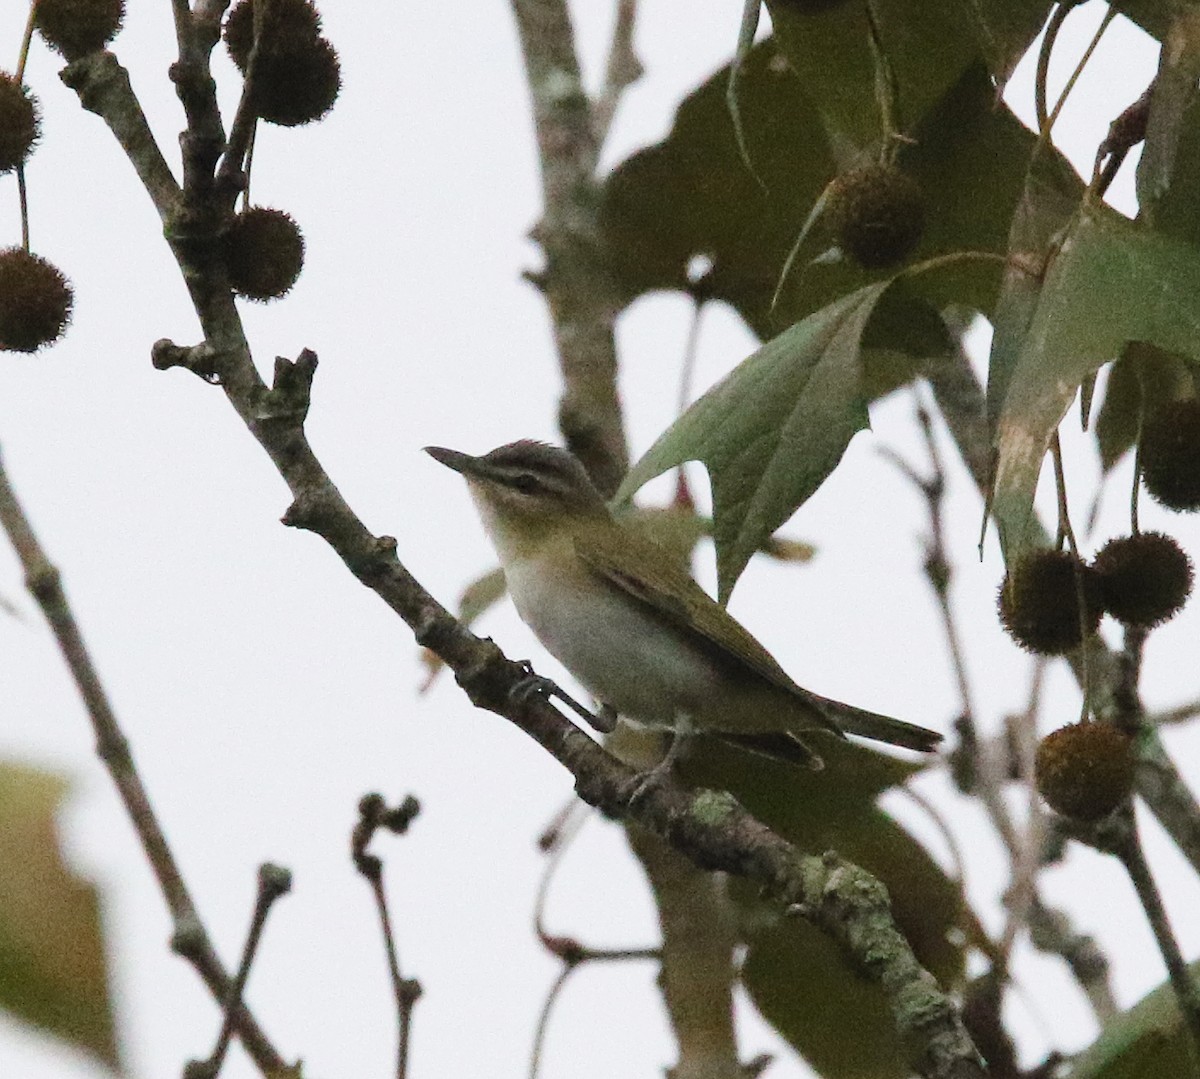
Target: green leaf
(691, 194)
(1005, 29)
(1050, 197)
(804, 986)
(928, 46)
(1153, 16)
(53, 972)
(1150, 1039)
(1112, 282)
(1141, 371)
(773, 429)
(1168, 173)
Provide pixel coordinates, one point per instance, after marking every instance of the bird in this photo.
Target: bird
(629, 623)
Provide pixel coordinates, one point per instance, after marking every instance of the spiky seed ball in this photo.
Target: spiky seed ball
(35, 301)
(264, 253)
(1084, 771)
(19, 123)
(290, 25)
(1144, 579)
(298, 87)
(77, 27)
(877, 213)
(1170, 454)
(298, 75)
(1039, 603)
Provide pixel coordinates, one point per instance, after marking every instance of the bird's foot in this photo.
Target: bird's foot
(660, 772)
(533, 685)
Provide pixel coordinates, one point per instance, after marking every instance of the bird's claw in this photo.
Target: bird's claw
(532, 684)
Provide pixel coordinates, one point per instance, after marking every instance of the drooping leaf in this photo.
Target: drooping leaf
(928, 45)
(1112, 282)
(1050, 197)
(53, 972)
(1005, 29)
(773, 429)
(1153, 16)
(1148, 1039)
(796, 976)
(1143, 373)
(1168, 173)
(691, 194)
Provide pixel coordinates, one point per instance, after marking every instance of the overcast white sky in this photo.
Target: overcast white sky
(264, 691)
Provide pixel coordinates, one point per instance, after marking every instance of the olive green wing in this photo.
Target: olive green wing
(667, 590)
(671, 593)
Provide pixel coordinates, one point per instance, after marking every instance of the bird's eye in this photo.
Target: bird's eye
(525, 481)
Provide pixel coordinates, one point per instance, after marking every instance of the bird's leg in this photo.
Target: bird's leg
(533, 684)
(680, 737)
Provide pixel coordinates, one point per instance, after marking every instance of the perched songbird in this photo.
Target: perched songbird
(632, 626)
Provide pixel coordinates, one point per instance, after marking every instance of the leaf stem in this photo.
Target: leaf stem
(1065, 531)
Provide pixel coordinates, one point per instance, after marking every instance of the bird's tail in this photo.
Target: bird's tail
(894, 732)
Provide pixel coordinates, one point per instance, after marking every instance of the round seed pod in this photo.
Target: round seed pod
(1038, 602)
(35, 301)
(290, 25)
(877, 213)
(264, 253)
(1170, 454)
(1085, 770)
(77, 27)
(299, 87)
(1144, 579)
(20, 123)
(298, 75)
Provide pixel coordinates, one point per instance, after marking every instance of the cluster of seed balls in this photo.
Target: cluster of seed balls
(297, 78)
(1051, 599)
(35, 297)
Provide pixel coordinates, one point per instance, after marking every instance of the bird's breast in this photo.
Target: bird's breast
(616, 648)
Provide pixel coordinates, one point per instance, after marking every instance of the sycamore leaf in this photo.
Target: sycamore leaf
(774, 429)
(1112, 282)
(928, 46)
(800, 981)
(692, 194)
(1148, 1039)
(53, 972)
(1005, 29)
(1142, 374)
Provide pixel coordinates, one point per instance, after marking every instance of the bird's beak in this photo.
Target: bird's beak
(459, 462)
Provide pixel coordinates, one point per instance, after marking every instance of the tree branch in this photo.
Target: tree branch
(189, 938)
(576, 285)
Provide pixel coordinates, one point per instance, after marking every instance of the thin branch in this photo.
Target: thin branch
(1133, 858)
(274, 882)
(623, 69)
(1158, 781)
(1050, 931)
(374, 814)
(103, 88)
(189, 938)
(578, 292)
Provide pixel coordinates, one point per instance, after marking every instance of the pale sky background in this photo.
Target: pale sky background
(264, 690)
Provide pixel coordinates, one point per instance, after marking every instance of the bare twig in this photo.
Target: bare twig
(1158, 781)
(1129, 850)
(623, 69)
(274, 882)
(577, 289)
(1050, 931)
(374, 814)
(189, 938)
